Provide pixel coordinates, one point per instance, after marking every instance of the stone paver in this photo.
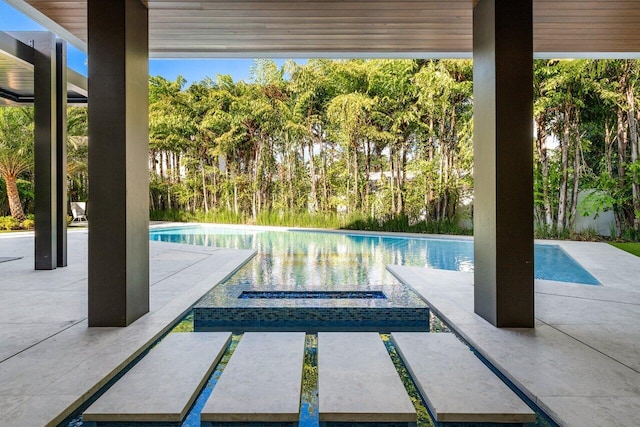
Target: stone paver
(456, 385)
(357, 381)
(262, 381)
(164, 384)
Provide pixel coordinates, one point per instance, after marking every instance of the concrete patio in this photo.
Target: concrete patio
(50, 361)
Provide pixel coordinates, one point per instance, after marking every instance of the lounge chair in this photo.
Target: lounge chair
(78, 211)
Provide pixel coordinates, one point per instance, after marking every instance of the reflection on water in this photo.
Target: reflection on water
(310, 260)
(290, 260)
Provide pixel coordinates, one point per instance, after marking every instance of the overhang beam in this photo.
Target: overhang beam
(17, 72)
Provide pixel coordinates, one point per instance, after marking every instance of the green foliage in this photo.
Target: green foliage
(310, 372)
(185, 325)
(436, 325)
(542, 231)
(16, 133)
(630, 234)
(595, 202)
(9, 223)
(16, 153)
(273, 149)
(424, 419)
(382, 145)
(298, 219)
(77, 154)
(28, 224)
(402, 224)
(27, 194)
(172, 215)
(354, 221)
(632, 248)
(588, 108)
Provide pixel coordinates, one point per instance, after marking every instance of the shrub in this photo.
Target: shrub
(28, 224)
(9, 223)
(353, 221)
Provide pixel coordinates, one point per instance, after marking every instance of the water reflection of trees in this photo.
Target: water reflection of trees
(307, 260)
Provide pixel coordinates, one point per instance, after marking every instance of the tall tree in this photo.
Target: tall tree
(16, 152)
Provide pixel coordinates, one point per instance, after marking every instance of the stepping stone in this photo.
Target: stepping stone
(456, 385)
(261, 383)
(358, 383)
(162, 386)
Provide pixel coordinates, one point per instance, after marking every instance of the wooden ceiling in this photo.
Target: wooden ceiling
(422, 28)
(16, 75)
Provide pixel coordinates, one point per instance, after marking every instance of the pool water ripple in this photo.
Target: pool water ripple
(293, 260)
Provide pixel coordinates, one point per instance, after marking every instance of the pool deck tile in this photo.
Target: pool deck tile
(262, 381)
(50, 361)
(357, 381)
(581, 363)
(456, 385)
(163, 385)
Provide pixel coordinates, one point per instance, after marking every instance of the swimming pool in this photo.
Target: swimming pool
(313, 260)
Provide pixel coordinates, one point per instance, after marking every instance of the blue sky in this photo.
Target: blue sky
(193, 70)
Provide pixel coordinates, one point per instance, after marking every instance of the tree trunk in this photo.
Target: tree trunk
(204, 188)
(622, 144)
(152, 201)
(356, 182)
(15, 206)
(325, 189)
(214, 193)
(564, 180)
(267, 197)
(633, 140)
(257, 181)
(312, 176)
(541, 146)
(576, 174)
(432, 194)
(367, 173)
(402, 178)
(161, 164)
(608, 145)
(235, 197)
(392, 184)
(292, 195)
(441, 162)
(178, 175)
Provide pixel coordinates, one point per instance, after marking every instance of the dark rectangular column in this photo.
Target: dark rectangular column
(61, 152)
(503, 161)
(118, 169)
(44, 70)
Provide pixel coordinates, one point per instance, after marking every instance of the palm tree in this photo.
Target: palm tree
(16, 136)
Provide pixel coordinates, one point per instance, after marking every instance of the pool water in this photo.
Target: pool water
(312, 260)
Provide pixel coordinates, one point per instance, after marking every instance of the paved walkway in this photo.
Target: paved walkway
(50, 361)
(581, 363)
